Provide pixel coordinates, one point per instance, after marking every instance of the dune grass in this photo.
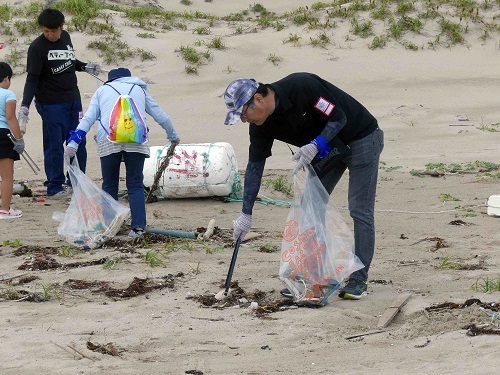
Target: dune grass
(380, 22)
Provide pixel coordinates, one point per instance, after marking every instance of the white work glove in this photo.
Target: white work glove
(18, 145)
(241, 226)
(70, 151)
(23, 117)
(304, 156)
(93, 68)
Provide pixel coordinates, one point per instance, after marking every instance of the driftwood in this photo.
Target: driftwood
(393, 309)
(72, 351)
(164, 164)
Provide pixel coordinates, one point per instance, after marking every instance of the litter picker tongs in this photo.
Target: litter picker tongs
(26, 156)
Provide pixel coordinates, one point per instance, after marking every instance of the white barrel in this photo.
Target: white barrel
(494, 205)
(195, 170)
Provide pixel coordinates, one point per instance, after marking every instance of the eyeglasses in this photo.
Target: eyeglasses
(244, 111)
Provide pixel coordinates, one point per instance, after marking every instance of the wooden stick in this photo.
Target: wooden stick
(12, 277)
(159, 173)
(64, 348)
(393, 309)
(83, 355)
(363, 334)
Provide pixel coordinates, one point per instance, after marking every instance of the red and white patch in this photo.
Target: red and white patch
(324, 106)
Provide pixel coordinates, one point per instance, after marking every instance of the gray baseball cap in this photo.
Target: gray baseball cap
(239, 92)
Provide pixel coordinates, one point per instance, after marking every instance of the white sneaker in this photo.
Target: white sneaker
(135, 232)
(11, 214)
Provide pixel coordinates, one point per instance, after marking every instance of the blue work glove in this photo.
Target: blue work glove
(18, 145)
(304, 156)
(241, 226)
(93, 68)
(77, 136)
(23, 117)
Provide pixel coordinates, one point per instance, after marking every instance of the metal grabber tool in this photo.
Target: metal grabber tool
(27, 158)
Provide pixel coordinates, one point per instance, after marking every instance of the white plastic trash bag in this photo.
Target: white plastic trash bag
(317, 250)
(93, 216)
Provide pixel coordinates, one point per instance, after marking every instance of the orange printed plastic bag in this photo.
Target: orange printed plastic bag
(317, 250)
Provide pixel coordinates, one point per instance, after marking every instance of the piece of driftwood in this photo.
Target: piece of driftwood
(393, 309)
(360, 334)
(12, 278)
(251, 236)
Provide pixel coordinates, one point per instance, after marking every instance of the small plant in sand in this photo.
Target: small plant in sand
(202, 30)
(446, 263)
(294, 39)
(13, 58)
(14, 243)
(378, 42)
(210, 250)
(187, 245)
(217, 43)
(409, 45)
(281, 184)
(100, 28)
(145, 55)
(112, 261)
(487, 285)
(191, 69)
(48, 292)
(274, 59)
(268, 248)
(229, 69)
(453, 31)
(146, 35)
(186, 2)
(445, 197)
(491, 127)
(362, 29)
(26, 27)
(68, 251)
(154, 258)
(111, 49)
(321, 40)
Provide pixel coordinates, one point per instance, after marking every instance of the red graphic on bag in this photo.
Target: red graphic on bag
(305, 257)
(291, 230)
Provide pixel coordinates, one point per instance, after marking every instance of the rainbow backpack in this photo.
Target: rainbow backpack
(126, 124)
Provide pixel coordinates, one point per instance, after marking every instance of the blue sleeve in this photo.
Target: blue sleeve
(332, 128)
(251, 187)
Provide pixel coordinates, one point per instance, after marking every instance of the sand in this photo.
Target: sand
(433, 105)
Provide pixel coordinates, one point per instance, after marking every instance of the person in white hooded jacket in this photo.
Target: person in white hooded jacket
(111, 153)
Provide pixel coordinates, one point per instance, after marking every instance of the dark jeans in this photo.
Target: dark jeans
(134, 164)
(57, 121)
(363, 164)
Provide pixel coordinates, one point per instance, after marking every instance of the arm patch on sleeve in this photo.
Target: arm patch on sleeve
(324, 106)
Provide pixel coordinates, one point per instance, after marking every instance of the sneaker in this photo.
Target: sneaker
(135, 232)
(11, 214)
(354, 289)
(286, 293)
(59, 195)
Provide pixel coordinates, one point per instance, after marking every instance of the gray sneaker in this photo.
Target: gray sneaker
(60, 195)
(354, 289)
